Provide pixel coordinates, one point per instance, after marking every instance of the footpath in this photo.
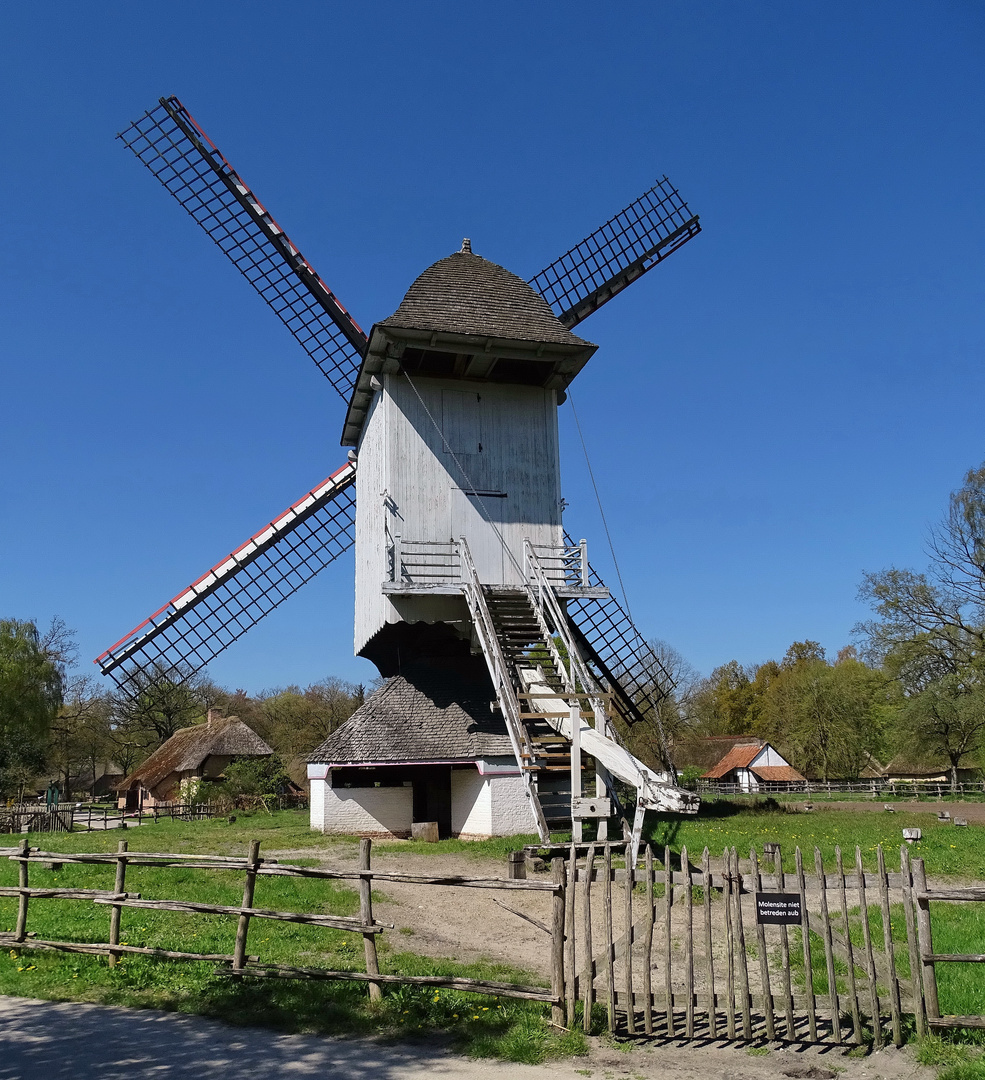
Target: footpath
(46, 1040)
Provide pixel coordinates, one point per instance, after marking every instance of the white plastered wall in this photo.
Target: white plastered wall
(489, 804)
(363, 811)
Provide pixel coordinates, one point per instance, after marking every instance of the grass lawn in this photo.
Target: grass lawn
(475, 1024)
(946, 849)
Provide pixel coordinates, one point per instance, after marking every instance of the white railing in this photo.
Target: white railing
(500, 674)
(423, 562)
(562, 566)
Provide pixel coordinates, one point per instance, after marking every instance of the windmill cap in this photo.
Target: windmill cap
(466, 294)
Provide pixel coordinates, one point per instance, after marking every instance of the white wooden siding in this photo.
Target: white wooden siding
(407, 483)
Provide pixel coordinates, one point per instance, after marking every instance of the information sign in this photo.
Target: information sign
(776, 907)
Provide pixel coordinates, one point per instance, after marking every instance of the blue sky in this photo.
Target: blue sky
(784, 403)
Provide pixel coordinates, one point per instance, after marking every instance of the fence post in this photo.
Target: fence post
(557, 943)
(805, 943)
(366, 917)
(926, 941)
(888, 948)
(22, 880)
(916, 986)
(668, 940)
(570, 943)
(588, 978)
(239, 949)
(829, 956)
(116, 911)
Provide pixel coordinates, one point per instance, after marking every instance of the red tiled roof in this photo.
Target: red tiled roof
(739, 757)
(776, 773)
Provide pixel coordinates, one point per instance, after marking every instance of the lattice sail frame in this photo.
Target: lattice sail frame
(621, 655)
(204, 619)
(169, 142)
(617, 253)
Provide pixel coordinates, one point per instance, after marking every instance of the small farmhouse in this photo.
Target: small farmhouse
(743, 760)
(426, 746)
(191, 755)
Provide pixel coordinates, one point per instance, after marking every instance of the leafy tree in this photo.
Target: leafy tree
(30, 695)
(722, 703)
(80, 734)
(930, 631)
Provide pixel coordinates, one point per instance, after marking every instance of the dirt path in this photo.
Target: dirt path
(44, 1040)
(464, 924)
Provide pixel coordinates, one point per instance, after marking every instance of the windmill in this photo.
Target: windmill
(463, 568)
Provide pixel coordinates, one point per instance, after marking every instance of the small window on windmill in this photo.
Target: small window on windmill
(460, 422)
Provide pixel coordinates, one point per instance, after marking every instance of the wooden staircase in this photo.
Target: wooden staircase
(547, 756)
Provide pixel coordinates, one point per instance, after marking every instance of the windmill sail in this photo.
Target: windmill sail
(202, 620)
(189, 165)
(620, 654)
(615, 255)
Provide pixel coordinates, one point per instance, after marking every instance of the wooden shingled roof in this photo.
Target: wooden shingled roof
(424, 714)
(188, 748)
(466, 294)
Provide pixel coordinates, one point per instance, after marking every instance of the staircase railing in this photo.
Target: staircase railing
(553, 620)
(502, 679)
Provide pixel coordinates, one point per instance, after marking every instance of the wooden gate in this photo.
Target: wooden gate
(744, 950)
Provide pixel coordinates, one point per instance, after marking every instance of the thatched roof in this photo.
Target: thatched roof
(188, 748)
(466, 294)
(425, 714)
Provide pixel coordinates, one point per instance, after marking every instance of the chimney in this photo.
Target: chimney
(213, 714)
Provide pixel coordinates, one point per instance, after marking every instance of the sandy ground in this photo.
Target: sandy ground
(42, 1040)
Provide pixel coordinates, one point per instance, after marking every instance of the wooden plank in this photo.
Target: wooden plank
(870, 959)
(570, 983)
(106, 949)
(729, 946)
(649, 919)
(961, 958)
(849, 951)
(688, 948)
(740, 948)
(628, 962)
(805, 943)
(557, 943)
(116, 911)
(909, 911)
(63, 894)
(829, 955)
(709, 957)
(951, 894)
(764, 966)
(474, 986)
(588, 979)
(668, 943)
(956, 1021)
(610, 974)
(789, 1023)
(926, 940)
(366, 917)
(888, 949)
(335, 922)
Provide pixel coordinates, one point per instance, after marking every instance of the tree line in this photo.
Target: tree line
(56, 726)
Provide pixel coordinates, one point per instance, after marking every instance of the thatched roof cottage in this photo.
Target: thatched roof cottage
(195, 753)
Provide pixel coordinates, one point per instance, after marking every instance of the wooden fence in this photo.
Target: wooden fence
(694, 952)
(69, 817)
(680, 950)
(238, 963)
(872, 789)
